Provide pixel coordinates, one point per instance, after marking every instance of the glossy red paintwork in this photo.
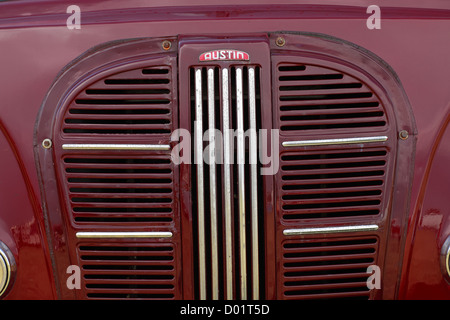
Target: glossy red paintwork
(432, 225)
(35, 45)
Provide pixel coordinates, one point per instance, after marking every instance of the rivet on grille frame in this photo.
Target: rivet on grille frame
(403, 134)
(47, 143)
(280, 41)
(166, 45)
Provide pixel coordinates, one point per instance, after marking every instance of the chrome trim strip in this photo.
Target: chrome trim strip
(212, 186)
(325, 142)
(121, 235)
(227, 185)
(305, 231)
(200, 186)
(241, 181)
(101, 146)
(253, 157)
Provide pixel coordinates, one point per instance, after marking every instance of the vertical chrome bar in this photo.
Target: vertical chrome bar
(200, 186)
(253, 181)
(212, 186)
(227, 185)
(241, 180)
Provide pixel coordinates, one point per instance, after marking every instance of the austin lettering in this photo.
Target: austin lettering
(224, 55)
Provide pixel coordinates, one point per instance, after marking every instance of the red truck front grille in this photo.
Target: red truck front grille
(143, 226)
(326, 269)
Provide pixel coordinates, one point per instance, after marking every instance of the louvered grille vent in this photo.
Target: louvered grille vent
(332, 184)
(317, 98)
(133, 102)
(323, 182)
(133, 271)
(127, 190)
(324, 269)
(123, 191)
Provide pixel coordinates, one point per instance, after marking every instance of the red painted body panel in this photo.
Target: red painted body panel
(423, 276)
(35, 45)
(22, 228)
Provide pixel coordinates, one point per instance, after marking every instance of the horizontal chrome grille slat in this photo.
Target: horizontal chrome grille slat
(325, 142)
(122, 235)
(304, 231)
(101, 146)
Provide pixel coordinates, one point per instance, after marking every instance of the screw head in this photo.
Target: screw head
(403, 134)
(280, 41)
(166, 45)
(47, 143)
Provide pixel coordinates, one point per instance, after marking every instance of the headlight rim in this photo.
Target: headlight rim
(445, 259)
(8, 264)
